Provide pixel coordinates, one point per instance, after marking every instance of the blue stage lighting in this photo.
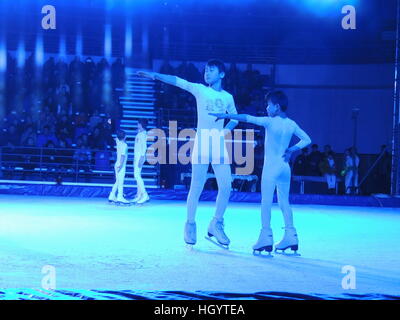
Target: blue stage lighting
(3, 56)
(323, 7)
(39, 53)
(79, 44)
(128, 39)
(107, 41)
(62, 47)
(21, 54)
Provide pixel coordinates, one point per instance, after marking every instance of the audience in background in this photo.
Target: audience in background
(328, 169)
(314, 158)
(63, 102)
(301, 165)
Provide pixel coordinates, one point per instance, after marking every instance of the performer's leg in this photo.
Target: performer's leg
(114, 188)
(267, 195)
(199, 177)
(348, 181)
(141, 191)
(224, 181)
(121, 180)
(283, 188)
(327, 180)
(331, 181)
(334, 181)
(283, 200)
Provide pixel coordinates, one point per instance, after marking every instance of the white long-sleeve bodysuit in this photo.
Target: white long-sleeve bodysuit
(276, 171)
(209, 146)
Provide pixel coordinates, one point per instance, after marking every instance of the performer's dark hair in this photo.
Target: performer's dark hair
(216, 63)
(278, 97)
(143, 122)
(121, 134)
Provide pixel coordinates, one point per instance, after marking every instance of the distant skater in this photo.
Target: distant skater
(117, 192)
(139, 159)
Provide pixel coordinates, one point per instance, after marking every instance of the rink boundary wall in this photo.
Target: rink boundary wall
(102, 191)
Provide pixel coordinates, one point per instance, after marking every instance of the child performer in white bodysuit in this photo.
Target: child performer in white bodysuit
(139, 158)
(279, 130)
(209, 98)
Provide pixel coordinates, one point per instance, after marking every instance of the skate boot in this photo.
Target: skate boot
(289, 240)
(112, 199)
(136, 199)
(122, 201)
(190, 234)
(216, 229)
(143, 199)
(265, 241)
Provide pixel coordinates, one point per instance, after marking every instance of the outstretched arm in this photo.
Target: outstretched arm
(158, 76)
(172, 80)
(260, 121)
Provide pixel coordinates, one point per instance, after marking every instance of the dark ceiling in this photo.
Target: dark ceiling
(242, 31)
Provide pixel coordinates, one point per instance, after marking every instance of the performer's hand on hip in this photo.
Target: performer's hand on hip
(286, 156)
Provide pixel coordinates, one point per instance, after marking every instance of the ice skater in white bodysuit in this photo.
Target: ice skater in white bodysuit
(209, 98)
(276, 173)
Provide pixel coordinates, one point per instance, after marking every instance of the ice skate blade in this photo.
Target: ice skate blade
(123, 204)
(223, 246)
(189, 246)
(293, 253)
(140, 204)
(261, 255)
(259, 251)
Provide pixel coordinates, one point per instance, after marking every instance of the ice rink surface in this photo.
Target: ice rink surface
(97, 246)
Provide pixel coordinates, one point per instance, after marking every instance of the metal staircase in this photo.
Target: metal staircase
(138, 102)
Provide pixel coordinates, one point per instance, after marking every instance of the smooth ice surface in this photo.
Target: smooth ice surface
(94, 245)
